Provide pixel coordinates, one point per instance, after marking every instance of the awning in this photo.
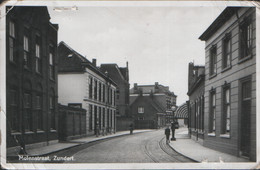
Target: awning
(181, 112)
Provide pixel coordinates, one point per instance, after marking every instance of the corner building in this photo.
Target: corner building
(83, 85)
(31, 77)
(230, 82)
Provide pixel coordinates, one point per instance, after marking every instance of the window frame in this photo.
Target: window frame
(226, 105)
(245, 53)
(38, 59)
(213, 61)
(140, 110)
(212, 113)
(12, 38)
(226, 63)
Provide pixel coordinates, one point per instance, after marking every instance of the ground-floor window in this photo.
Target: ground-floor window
(212, 111)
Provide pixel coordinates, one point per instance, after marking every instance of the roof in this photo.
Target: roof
(181, 112)
(71, 61)
(219, 21)
(114, 72)
(147, 89)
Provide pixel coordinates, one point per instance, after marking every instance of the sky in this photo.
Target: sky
(157, 41)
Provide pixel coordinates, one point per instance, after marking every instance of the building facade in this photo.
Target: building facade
(230, 82)
(196, 85)
(82, 84)
(156, 97)
(31, 77)
(121, 77)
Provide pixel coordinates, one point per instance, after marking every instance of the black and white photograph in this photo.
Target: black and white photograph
(129, 84)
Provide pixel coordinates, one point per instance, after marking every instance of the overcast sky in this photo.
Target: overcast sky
(158, 42)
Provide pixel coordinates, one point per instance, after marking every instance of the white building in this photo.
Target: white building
(82, 84)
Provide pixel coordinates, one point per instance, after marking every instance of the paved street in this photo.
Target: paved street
(146, 147)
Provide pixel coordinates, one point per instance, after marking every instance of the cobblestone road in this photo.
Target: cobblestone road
(146, 147)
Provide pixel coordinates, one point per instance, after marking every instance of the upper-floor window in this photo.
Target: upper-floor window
(246, 39)
(213, 61)
(90, 87)
(38, 67)
(212, 112)
(104, 93)
(140, 109)
(11, 41)
(95, 89)
(26, 54)
(99, 91)
(226, 55)
(51, 62)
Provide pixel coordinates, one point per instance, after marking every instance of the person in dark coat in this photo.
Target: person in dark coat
(174, 125)
(131, 128)
(167, 133)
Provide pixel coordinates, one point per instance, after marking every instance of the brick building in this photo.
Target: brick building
(151, 103)
(82, 84)
(31, 77)
(230, 82)
(196, 83)
(121, 77)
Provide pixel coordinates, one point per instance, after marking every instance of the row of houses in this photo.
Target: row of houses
(53, 92)
(222, 94)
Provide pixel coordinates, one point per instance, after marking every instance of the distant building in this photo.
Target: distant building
(196, 84)
(230, 82)
(121, 77)
(152, 104)
(31, 77)
(82, 84)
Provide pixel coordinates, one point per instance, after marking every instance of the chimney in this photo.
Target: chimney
(156, 87)
(135, 88)
(127, 64)
(94, 62)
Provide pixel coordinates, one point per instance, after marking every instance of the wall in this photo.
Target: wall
(232, 76)
(72, 123)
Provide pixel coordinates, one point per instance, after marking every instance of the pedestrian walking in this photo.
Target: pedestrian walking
(167, 133)
(174, 125)
(131, 128)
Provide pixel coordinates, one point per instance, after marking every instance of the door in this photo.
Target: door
(245, 118)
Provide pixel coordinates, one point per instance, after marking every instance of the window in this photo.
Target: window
(99, 117)
(104, 93)
(28, 112)
(212, 112)
(15, 117)
(213, 61)
(226, 57)
(39, 111)
(38, 67)
(140, 109)
(95, 89)
(99, 91)
(12, 41)
(90, 117)
(26, 55)
(90, 87)
(226, 110)
(51, 62)
(246, 39)
(104, 112)
(52, 110)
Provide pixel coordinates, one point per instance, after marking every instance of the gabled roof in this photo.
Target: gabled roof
(113, 71)
(149, 100)
(71, 61)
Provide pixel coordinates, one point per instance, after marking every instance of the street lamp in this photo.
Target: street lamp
(173, 108)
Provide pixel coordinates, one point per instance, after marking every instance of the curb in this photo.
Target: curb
(196, 161)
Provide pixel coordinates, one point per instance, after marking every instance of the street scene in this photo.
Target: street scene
(131, 84)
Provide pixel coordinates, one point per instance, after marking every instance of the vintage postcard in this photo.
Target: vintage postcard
(129, 84)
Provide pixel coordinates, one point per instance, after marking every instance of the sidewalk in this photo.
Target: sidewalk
(190, 148)
(52, 148)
